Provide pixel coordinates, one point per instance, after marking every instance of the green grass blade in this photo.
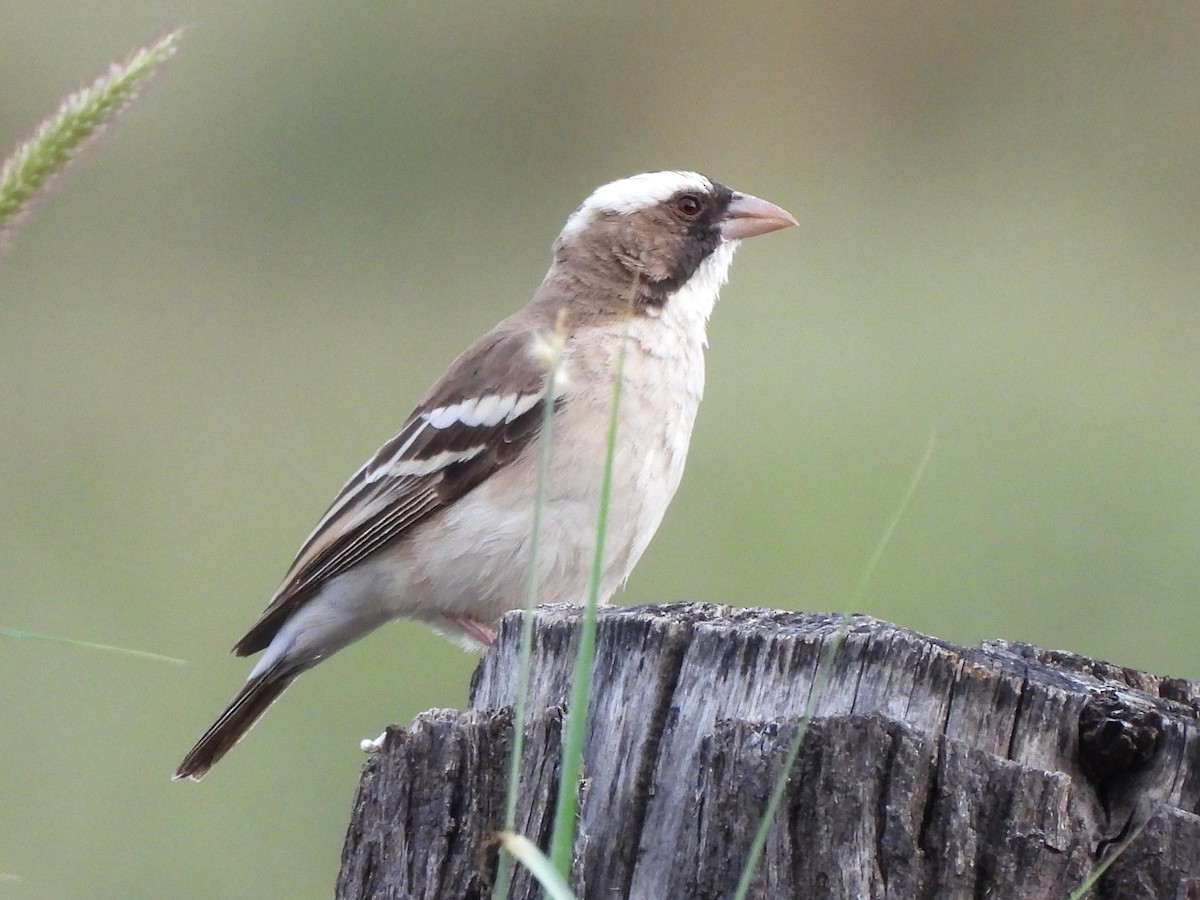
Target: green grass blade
(58, 140)
(552, 356)
(868, 572)
(563, 839)
(90, 645)
(1088, 883)
(824, 671)
(538, 864)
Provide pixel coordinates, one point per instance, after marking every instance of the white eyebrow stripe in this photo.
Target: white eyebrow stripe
(628, 195)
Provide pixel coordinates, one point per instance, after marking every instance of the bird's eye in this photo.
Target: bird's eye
(688, 206)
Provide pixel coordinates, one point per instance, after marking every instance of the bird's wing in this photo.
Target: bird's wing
(476, 420)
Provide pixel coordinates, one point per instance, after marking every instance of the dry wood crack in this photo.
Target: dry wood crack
(929, 770)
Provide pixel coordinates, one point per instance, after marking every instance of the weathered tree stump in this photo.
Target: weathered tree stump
(929, 770)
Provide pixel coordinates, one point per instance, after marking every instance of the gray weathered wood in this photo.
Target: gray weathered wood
(929, 770)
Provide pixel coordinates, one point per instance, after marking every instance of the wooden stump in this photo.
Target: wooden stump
(929, 770)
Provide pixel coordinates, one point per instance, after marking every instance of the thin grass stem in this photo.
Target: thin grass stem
(821, 680)
(89, 645)
(552, 357)
(563, 840)
(1088, 883)
(538, 864)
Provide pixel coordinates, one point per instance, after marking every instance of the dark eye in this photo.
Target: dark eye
(688, 206)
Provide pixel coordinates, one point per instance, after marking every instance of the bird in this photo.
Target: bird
(436, 526)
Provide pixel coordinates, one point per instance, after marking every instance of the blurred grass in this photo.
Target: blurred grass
(243, 292)
(78, 121)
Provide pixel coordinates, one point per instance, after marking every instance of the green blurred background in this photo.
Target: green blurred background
(242, 291)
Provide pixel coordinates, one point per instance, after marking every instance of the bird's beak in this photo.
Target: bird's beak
(748, 216)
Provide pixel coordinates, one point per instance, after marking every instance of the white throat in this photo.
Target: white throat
(691, 305)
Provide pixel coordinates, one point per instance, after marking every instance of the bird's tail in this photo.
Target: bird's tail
(246, 708)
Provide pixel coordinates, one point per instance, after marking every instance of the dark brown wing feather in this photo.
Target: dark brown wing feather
(246, 708)
(499, 364)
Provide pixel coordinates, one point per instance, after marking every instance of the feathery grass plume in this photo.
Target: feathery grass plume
(89, 645)
(550, 350)
(33, 165)
(824, 671)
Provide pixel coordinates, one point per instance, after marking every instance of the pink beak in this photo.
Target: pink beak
(748, 215)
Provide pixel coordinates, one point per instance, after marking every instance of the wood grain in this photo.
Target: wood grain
(928, 770)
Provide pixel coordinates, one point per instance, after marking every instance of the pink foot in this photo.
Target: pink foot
(475, 630)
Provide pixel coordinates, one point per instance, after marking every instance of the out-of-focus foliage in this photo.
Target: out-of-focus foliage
(79, 119)
(253, 279)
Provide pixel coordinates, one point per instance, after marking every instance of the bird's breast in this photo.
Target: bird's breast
(479, 560)
(661, 387)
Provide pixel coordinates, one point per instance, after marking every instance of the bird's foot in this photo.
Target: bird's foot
(474, 629)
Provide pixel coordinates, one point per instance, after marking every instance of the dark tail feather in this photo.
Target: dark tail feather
(239, 717)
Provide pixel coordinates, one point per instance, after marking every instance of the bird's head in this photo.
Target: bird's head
(658, 228)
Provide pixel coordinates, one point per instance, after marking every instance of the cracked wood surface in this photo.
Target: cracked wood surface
(930, 770)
